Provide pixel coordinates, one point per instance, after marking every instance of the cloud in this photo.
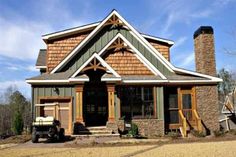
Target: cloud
(182, 11)
(187, 60)
(180, 41)
(20, 34)
(21, 66)
(22, 86)
(21, 41)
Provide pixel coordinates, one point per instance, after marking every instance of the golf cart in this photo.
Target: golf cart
(46, 127)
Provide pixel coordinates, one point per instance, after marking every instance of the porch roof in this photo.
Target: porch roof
(66, 76)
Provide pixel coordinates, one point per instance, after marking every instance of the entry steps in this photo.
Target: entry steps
(96, 132)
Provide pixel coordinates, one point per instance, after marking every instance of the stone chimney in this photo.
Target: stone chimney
(205, 50)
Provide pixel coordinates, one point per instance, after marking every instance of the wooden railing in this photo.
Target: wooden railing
(198, 120)
(183, 123)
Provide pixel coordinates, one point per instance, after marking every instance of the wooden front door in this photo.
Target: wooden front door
(95, 107)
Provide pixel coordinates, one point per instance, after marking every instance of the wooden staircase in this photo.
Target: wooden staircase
(187, 126)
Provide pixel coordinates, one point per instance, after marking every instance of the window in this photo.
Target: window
(136, 101)
(171, 105)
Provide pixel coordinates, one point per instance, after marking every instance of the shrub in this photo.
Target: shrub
(17, 123)
(133, 130)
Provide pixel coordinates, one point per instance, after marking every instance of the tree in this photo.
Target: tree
(225, 87)
(228, 83)
(21, 109)
(18, 123)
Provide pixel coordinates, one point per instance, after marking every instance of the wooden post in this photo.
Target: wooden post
(111, 103)
(79, 103)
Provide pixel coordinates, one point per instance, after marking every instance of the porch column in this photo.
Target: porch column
(79, 103)
(111, 103)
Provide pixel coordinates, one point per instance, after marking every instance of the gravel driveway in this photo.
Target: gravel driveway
(204, 149)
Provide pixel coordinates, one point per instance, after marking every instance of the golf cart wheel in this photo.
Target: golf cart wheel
(62, 134)
(34, 137)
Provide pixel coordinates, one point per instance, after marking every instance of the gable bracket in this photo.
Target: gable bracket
(94, 65)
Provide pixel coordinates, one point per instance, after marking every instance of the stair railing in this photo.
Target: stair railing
(198, 120)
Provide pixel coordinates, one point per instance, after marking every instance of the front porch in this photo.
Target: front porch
(155, 109)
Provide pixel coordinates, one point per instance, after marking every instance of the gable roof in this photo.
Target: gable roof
(140, 38)
(91, 26)
(136, 34)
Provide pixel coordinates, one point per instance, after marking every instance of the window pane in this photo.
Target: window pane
(136, 101)
(187, 103)
(173, 101)
(174, 117)
(148, 110)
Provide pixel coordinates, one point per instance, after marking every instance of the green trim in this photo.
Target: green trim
(160, 102)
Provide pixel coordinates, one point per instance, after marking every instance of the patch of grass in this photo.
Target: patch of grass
(232, 132)
(219, 133)
(173, 135)
(16, 139)
(197, 133)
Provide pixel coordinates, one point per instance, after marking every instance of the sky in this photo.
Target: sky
(22, 25)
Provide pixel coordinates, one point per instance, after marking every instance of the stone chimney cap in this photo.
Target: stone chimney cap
(203, 30)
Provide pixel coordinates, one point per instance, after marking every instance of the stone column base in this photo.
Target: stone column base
(113, 126)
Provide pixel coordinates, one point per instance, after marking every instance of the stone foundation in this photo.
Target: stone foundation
(146, 127)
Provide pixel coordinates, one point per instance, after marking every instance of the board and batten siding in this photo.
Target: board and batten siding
(102, 39)
(160, 102)
(48, 91)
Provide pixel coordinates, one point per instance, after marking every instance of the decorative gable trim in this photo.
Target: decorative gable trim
(95, 55)
(136, 34)
(138, 54)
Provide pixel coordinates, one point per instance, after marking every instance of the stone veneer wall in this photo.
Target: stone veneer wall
(207, 107)
(207, 95)
(146, 127)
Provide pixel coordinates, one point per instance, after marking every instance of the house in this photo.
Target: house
(107, 73)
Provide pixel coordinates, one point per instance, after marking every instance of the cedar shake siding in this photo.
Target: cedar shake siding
(58, 49)
(163, 48)
(126, 63)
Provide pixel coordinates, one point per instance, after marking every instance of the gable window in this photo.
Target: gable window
(136, 102)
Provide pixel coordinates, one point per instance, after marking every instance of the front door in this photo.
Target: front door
(95, 104)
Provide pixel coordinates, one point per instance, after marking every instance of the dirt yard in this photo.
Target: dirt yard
(204, 149)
